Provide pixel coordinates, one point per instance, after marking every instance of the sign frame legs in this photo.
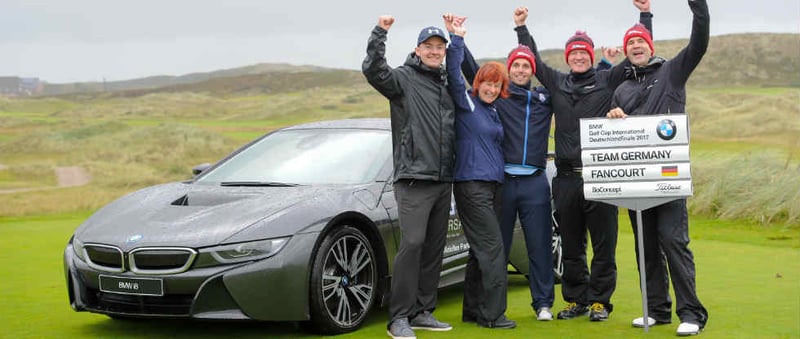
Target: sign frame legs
(642, 270)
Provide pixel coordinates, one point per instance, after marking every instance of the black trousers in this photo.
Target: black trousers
(423, 208)
(576, 216)
(486, 280)
(665, 231)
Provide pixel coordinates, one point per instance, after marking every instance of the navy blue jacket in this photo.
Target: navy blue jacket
(479, 133)
(526, 117)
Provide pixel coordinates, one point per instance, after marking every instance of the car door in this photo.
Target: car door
(456, 247)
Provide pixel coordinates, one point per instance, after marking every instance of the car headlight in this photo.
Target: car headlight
(247, 251)
(77, 247)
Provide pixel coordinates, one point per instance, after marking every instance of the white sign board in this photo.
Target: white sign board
(637, 162)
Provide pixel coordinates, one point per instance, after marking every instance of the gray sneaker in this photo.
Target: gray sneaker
(426, 321)
(400, 329)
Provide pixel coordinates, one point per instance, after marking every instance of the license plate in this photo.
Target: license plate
(135, 286)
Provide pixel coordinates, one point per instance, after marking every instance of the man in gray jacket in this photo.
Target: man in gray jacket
(423, 138)
(655, 85)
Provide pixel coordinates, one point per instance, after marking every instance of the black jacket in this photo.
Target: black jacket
(575, 96)
(422, 113)
(660, 86)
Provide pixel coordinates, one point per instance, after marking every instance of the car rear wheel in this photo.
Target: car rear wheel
(343, 282)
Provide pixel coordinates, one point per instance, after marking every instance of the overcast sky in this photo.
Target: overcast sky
(91, 40)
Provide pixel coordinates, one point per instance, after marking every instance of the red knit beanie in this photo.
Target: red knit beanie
(579, 41)
(524, 52)
(638, 30)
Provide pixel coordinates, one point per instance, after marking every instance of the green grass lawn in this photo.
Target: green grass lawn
(747, 277)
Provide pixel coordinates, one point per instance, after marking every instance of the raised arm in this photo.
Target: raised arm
(689, 57)
(455, 56)
(547, 75)
(645, 16)
(617, 73)
(469, 66)
(374, 66)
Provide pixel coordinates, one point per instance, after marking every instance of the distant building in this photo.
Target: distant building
(16, 86)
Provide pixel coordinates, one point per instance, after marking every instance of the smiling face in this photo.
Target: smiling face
(520, 72)
(431, 52)
(579, 61)
(489, 91)
(638, 51)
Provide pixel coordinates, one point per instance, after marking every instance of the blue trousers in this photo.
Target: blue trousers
(528, 197)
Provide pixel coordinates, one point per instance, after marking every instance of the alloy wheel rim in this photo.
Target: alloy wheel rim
(348, 280)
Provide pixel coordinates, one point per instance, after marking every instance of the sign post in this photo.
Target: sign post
(638, 162)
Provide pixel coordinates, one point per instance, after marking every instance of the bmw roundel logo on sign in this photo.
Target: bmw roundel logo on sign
(666, 129)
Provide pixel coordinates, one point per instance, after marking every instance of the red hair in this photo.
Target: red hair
(492, 71)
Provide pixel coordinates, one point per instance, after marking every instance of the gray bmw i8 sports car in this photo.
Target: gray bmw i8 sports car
(298, 225)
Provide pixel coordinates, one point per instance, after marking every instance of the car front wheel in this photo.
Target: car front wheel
(343, 282)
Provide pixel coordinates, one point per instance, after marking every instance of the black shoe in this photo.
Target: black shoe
(500, 322)
(598, 312)
(573, 310)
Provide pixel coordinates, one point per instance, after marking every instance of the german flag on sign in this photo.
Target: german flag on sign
(669, 171)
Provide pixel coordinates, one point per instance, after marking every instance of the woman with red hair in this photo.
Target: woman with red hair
(478, 182)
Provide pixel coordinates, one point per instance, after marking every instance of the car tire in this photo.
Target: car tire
(344, 282)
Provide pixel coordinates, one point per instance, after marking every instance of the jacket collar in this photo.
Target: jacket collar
(636, 72)
(517, 90)
(414, 62)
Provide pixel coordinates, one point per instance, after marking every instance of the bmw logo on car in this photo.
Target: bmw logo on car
(666, 129)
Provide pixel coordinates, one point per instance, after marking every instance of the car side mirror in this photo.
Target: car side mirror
(200, 168)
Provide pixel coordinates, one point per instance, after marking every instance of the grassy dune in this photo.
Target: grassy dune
(744, 116)
(745, 144)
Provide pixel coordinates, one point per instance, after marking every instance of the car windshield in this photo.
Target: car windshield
(306, 157)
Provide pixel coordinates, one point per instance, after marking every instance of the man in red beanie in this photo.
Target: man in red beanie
(641, 47)
(582, 93)
(658, 86)
(579, 52)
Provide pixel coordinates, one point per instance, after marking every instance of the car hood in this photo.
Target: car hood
(181, 214)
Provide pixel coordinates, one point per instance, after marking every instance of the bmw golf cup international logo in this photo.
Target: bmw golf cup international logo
(666, 129)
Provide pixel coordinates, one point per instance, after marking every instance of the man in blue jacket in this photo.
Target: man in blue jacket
(525, 117)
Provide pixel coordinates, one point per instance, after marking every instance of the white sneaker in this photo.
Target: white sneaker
(544, 314)
(639, 322)
(685, 329)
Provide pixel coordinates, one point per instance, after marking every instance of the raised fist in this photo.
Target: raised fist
(520, 15)
(610, 53)
(385, 21)
(642, 5)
